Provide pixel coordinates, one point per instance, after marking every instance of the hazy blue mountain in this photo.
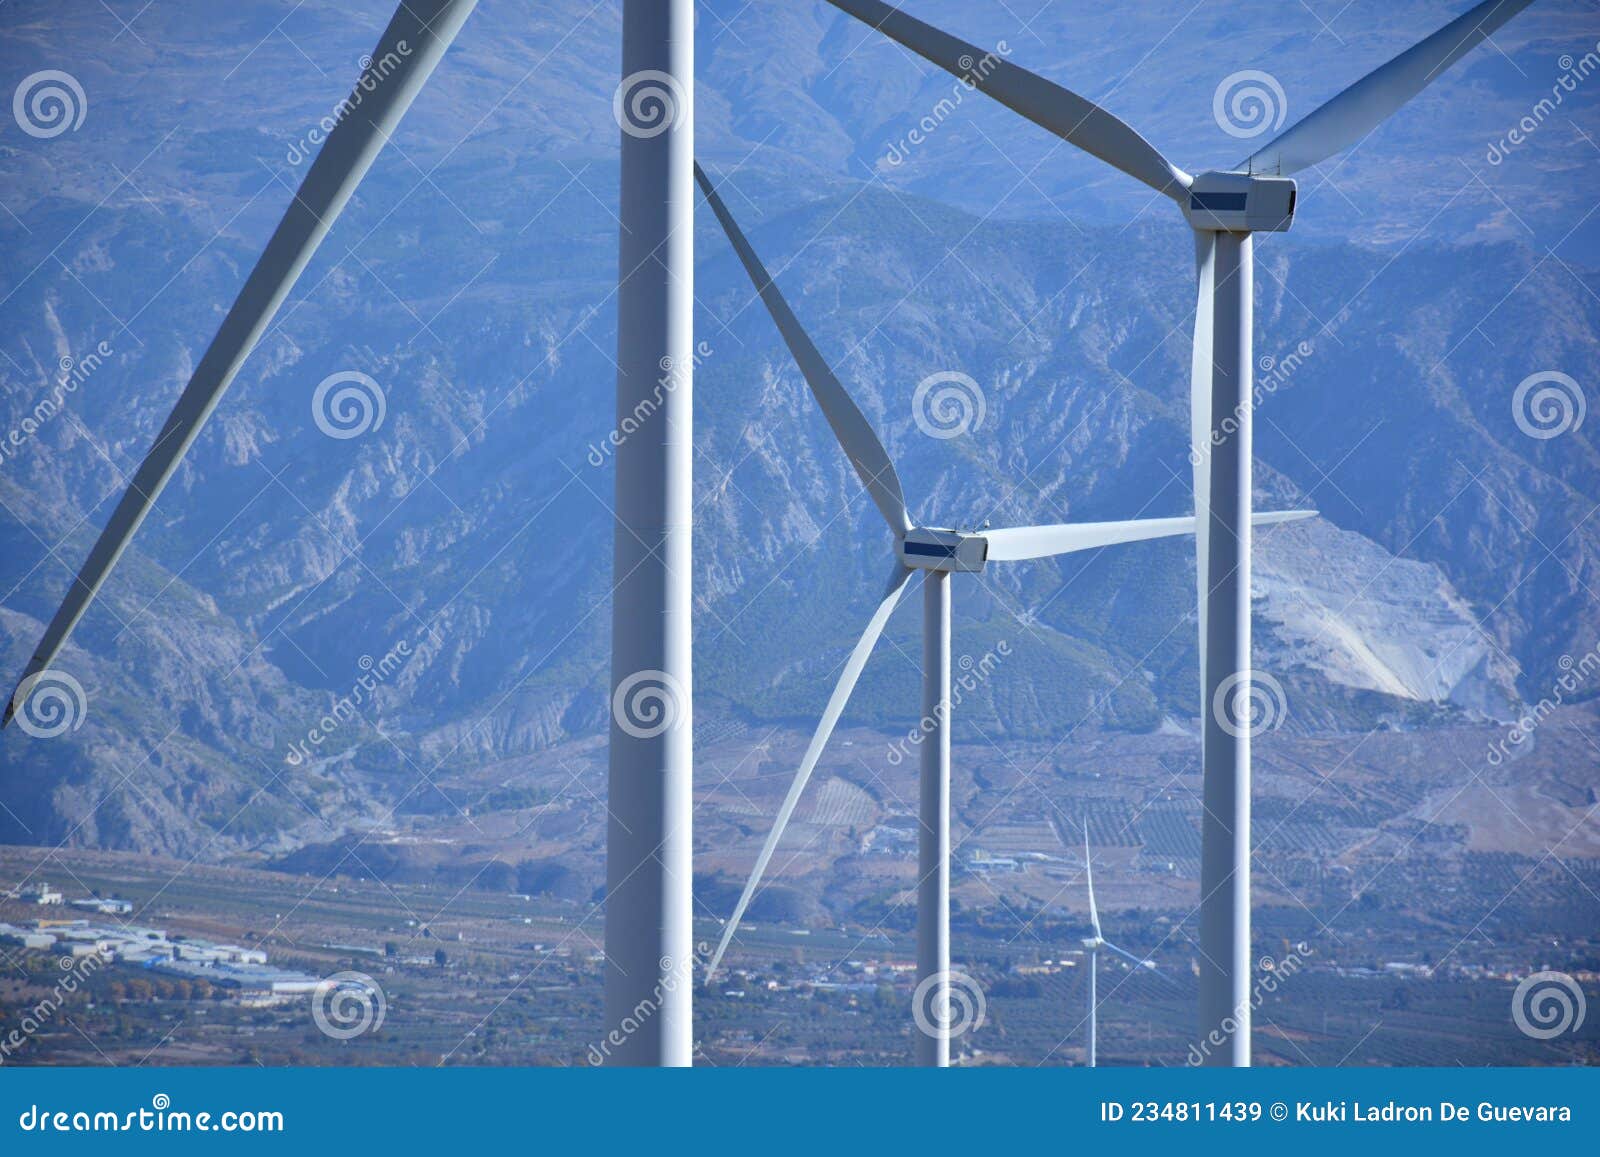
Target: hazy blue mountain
(469, 534)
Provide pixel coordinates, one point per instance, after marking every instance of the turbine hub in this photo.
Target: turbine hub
(935, 548)
(1240, 203)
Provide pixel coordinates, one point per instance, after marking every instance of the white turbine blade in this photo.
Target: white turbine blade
(1088, 873)
(1367, 103)
(1205, 251)
(1069, 116)
(1142, 962)
(850, 426)
(410, 47)
(1273, 517)
(819, 739)
(1016, 543)
(1024, 542)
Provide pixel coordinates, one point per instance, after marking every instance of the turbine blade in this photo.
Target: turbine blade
(1141, 961)
(1205, 250)
(1273, 517)
(1025, 542)
(1370, 101)
(819, 739)
(1073, 118)
(850, 426)
(1088, 872)
(408, 50)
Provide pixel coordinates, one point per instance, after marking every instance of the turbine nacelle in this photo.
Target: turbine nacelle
(1240, 203)
(934, 548)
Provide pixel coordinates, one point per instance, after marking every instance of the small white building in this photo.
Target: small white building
(31, 940)
(234, 954)
(104, 907)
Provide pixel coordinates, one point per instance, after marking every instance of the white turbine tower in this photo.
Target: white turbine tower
(407, 52)
(649, 883)
(1092, 945)
(1224, 208)
(938, 552)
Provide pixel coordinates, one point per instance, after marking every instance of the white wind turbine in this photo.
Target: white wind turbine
(1092, 946)
(1224, 208)
(937, 551)
(648, 841)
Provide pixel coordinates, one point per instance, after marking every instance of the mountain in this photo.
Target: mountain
(436, 588)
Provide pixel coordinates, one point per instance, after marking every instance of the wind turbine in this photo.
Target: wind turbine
(410, 47)
(1092, 945)
(1224, 208)
(649, 896)
(938, 552)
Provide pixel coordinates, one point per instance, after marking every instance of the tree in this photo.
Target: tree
(440, 958)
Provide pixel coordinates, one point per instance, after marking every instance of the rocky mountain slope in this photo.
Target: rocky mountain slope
(461, 547)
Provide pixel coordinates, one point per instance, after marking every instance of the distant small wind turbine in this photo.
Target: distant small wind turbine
(1092, 945)
(937, 551)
